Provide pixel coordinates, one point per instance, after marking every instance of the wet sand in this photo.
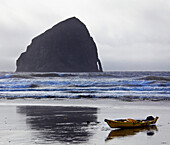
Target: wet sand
(80, 121)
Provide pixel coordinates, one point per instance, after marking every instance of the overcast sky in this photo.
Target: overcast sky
(130, 34)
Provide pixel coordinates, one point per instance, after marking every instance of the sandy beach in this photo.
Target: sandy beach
(80, 121)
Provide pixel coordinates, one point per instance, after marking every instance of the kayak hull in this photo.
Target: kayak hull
(130, 123)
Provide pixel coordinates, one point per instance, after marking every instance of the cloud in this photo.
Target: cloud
(129, 34)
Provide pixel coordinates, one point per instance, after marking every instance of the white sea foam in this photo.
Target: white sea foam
(117, 85)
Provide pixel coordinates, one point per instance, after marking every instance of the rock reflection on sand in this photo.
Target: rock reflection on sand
(117, 133)
(59, 124)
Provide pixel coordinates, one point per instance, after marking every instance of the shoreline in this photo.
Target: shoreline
(76, 101)
(38, 121)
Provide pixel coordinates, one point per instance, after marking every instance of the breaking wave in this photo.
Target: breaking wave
(153, 86)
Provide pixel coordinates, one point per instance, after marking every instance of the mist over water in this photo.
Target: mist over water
(118, 85)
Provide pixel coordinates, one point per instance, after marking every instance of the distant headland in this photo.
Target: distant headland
(66, 47)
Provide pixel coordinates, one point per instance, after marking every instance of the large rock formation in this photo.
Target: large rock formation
(66, 47)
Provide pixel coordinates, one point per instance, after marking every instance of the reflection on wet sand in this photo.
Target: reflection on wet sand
(131, 131)
(59, 124)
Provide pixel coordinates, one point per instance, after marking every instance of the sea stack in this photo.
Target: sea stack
(66, 47)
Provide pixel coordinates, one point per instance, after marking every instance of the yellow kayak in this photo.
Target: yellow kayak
(131, 123)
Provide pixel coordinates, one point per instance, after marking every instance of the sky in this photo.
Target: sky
(131, 35)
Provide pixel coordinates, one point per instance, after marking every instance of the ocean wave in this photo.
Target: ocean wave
(116, 85)
(33, 75)
(156, 78)
(107, 75)
(87, 96)
(35, 87)
(53, 75)
(6, 76)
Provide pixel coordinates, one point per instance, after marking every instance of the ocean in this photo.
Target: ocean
(127, 86)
